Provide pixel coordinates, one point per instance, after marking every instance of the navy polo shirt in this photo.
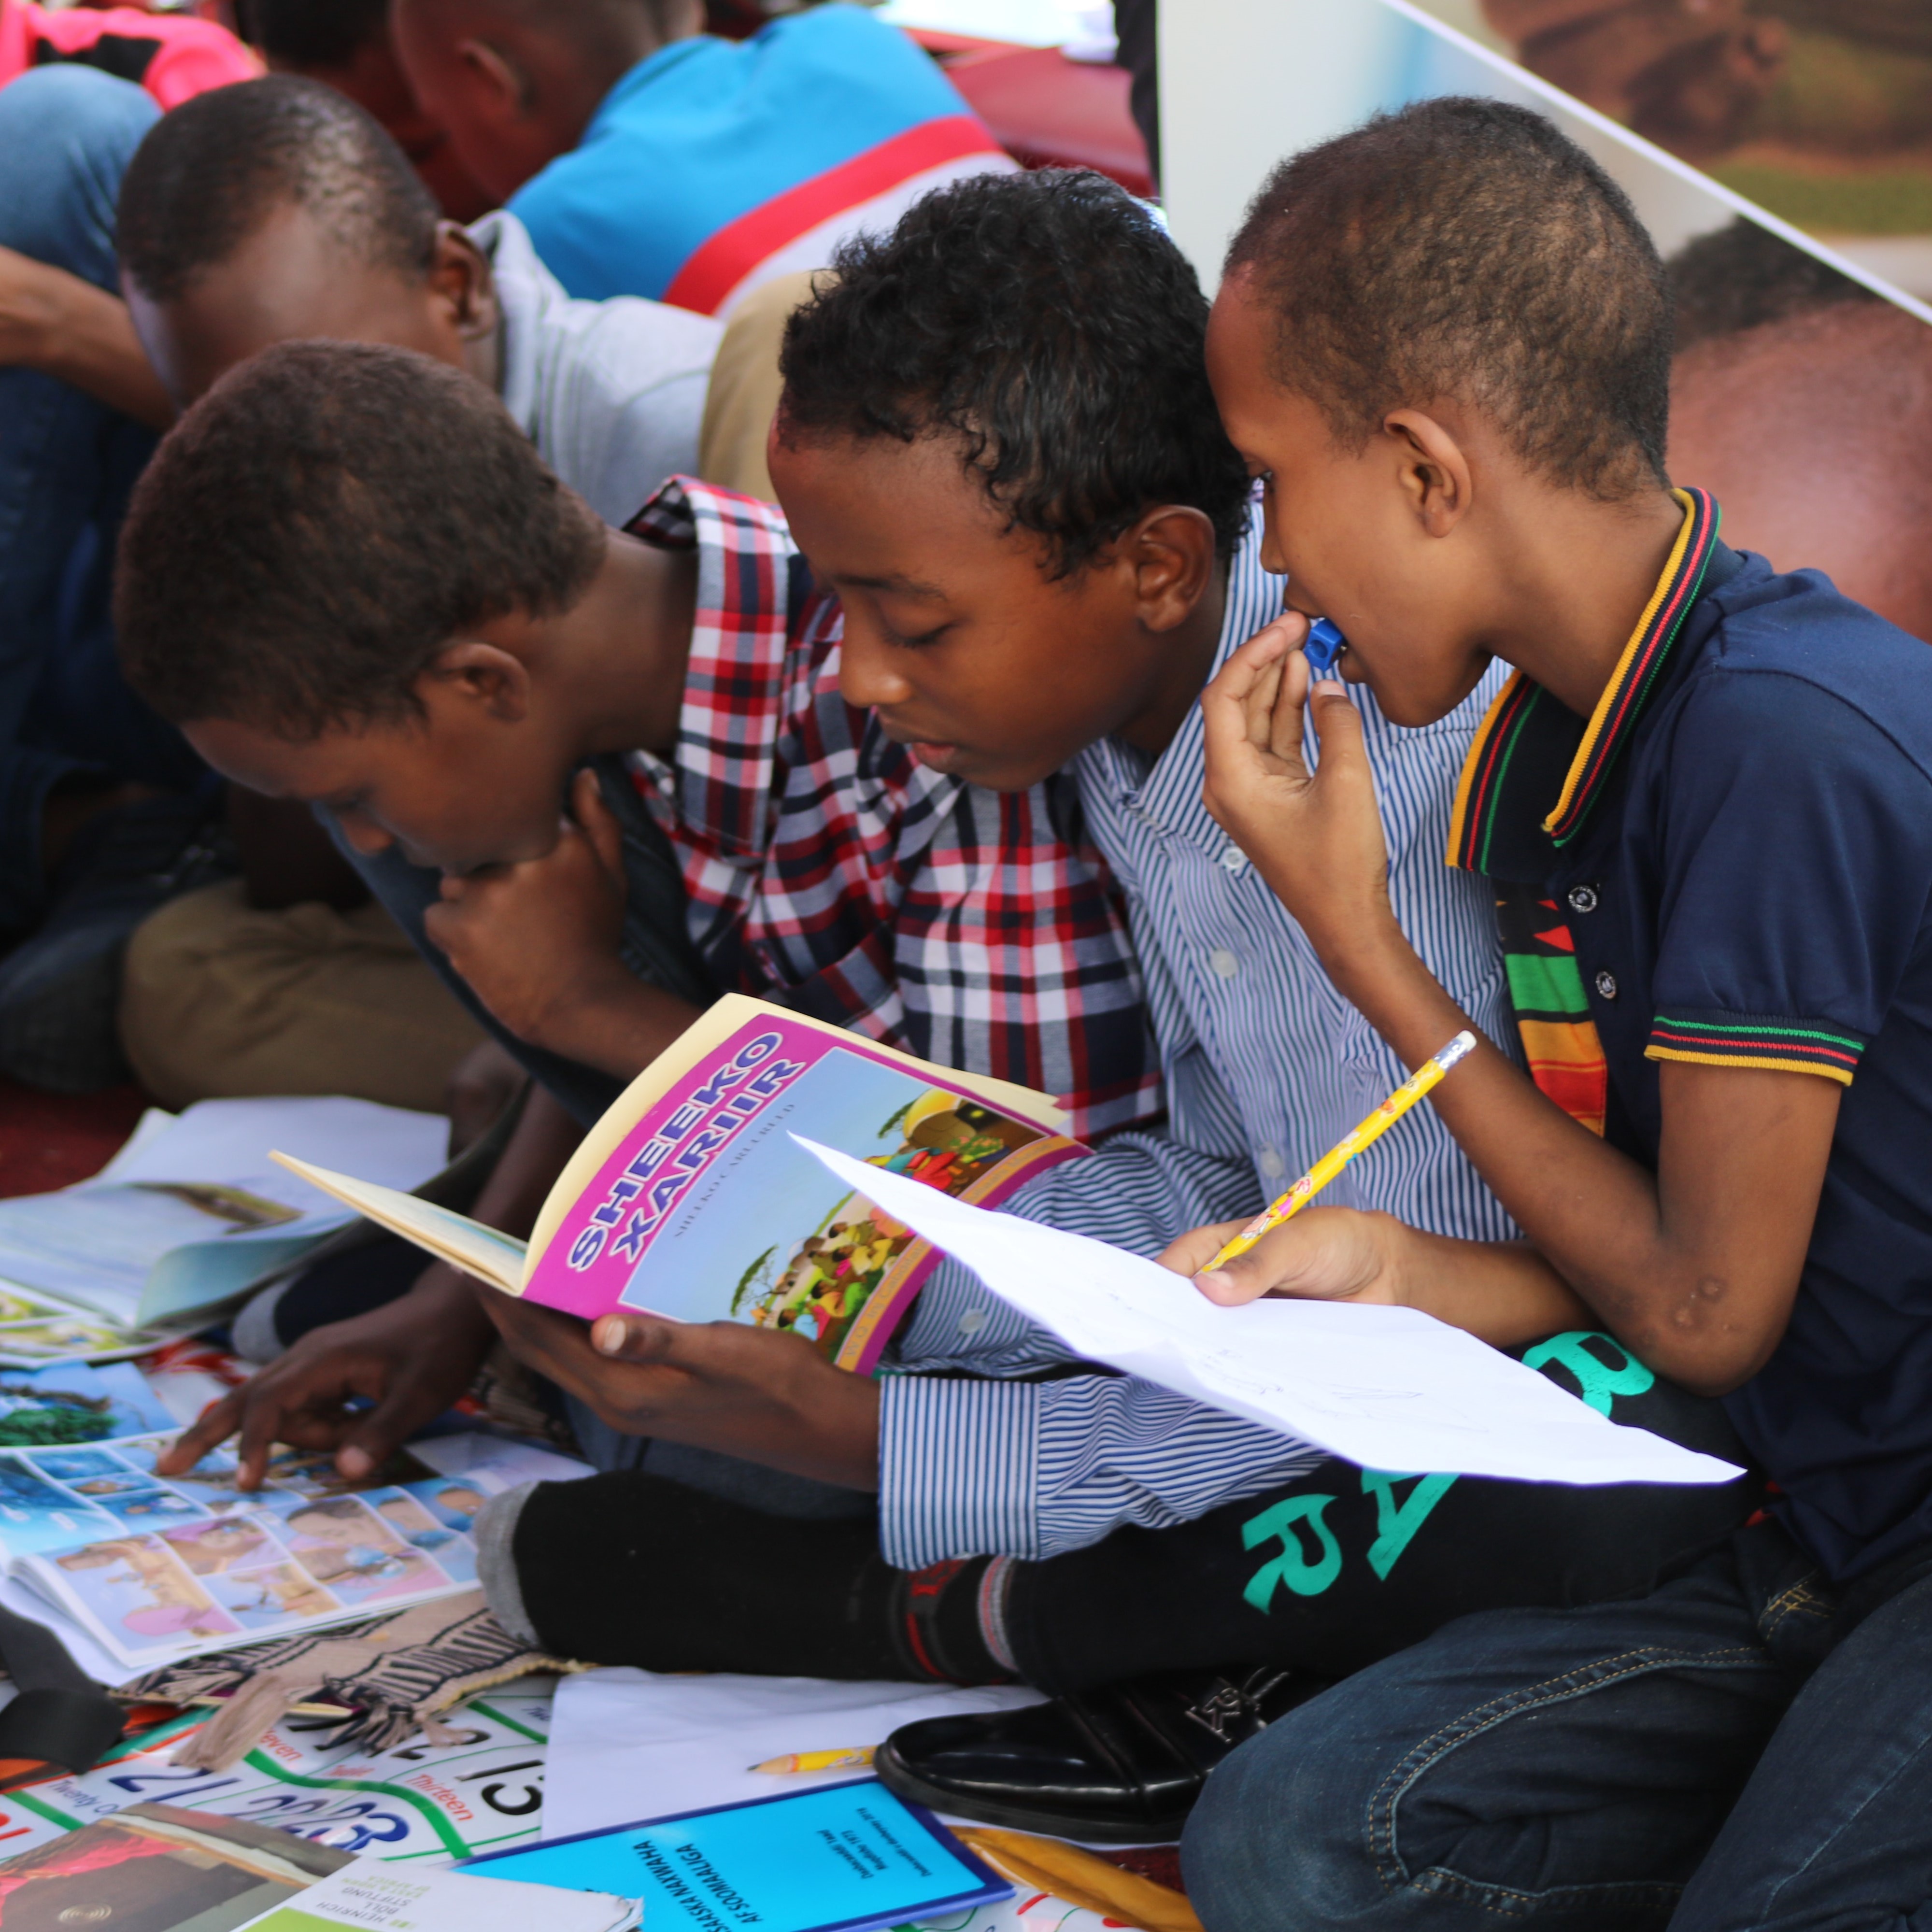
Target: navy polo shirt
(1736, 850)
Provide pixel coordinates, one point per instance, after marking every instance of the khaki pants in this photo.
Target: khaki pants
(220, 1000)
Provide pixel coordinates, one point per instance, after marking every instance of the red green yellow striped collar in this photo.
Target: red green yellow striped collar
(1529, 746)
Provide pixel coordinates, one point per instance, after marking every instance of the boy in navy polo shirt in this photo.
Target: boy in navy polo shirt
(1705, 803)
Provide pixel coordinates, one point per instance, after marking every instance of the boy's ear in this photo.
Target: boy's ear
(1171, 552)
(501, 80)
(1433, 468)
(460, 276)
(479, 678)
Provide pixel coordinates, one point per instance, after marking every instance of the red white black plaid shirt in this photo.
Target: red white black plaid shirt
(828, 870)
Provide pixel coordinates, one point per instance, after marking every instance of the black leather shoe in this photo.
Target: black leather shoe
(1121, 1765)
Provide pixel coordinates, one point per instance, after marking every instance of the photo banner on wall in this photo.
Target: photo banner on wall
(1757, 113)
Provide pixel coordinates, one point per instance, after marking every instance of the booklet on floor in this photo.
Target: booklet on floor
(157, 1868)
(188, 1214)
(157, 1569)
(378, 1898)
(843, 1857)
(691, 1199)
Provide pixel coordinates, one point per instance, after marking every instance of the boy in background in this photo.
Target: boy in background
(1704, 802)
(97, 798)
(279, 209)
(346, 44)
(648, 158)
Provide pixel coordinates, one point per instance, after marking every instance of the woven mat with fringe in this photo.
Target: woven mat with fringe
(395, 1672)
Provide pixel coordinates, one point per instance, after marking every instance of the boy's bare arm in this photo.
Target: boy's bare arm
(1694, 1267)
(538, 943)
(55, 322)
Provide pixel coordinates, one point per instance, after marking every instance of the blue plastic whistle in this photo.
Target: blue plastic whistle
(1323, 645)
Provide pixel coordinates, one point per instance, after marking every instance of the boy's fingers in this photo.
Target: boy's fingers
(1283, 726)
(598, 821)
(1244, 1279)
(1228, 705)
(1199, 1246)
(209, 1430)
(1339, 726)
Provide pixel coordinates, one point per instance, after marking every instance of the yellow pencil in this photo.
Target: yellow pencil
(1344, 1150)
(858, 1758)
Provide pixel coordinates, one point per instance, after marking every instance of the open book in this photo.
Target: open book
(153, 1569)
(691, 1199)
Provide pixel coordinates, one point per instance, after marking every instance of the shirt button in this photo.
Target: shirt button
(1224, 962)
(1272, 1165)
(1583, 898)
(1234, 860)
(1606, 985)
(972, 1322)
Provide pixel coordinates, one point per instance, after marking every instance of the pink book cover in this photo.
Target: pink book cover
(707, 1210)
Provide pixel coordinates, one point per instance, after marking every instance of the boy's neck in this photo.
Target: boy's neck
(1574, 575)
(1188, 663)
(622, 649)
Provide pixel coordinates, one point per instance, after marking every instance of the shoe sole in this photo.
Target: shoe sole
(892, 1774)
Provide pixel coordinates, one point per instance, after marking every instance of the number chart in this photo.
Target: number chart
(421, 1802)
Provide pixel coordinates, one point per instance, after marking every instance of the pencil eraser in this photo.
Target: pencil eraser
(1324, 645)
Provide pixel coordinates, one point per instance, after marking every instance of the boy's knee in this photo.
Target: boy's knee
(1278, 1842)
(88, 113)
(67, 134)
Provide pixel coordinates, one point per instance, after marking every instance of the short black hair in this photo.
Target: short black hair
(1047, 321)
(1467, 249)
(312, 33)
(320, 524)
(1742, 276)
(209, 173)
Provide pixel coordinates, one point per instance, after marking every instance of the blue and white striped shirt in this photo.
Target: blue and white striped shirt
(1267, 1067)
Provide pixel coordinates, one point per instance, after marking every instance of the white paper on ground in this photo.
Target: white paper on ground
(628, 1745)
(1388, 1388)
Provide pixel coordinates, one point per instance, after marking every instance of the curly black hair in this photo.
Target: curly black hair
(320, 524)
(1467, 249)
(1046, 321)
(1742, 276)
(208, 174)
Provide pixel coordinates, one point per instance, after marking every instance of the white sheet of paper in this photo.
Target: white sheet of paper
(626, 1745)
(1388, 1388)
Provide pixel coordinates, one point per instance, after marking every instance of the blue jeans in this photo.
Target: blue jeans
(68, 464)
(1735, 1752)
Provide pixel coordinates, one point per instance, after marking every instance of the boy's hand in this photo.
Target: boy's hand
(538, 942)
(1315, 836)
(723, 1385)
(411, 1358)
(1324, 1254)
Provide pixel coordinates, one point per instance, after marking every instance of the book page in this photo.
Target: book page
(158, 1568)
(703, 1209)
(491, 1256)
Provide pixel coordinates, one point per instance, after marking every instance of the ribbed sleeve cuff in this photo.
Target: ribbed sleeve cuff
(958, 1469)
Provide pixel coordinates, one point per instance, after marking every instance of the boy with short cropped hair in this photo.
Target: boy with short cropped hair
(1704, 804)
